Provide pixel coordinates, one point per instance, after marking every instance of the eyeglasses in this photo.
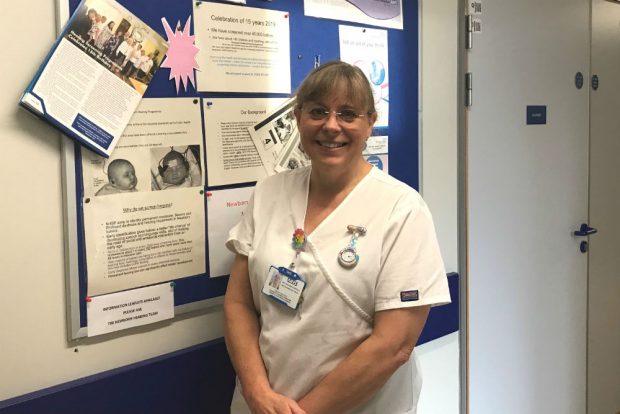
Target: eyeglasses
(348, 116)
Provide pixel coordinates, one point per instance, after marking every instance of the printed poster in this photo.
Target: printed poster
(242, 49)
(224, 209)
(144, 216)
(376, 152)
(96, 74)
(368, 49)
(383, 13)
(232, 157)
(129, 308)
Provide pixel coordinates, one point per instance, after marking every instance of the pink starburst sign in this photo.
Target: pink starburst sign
(181, 55)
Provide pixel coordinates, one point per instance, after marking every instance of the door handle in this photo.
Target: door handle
(585, 230)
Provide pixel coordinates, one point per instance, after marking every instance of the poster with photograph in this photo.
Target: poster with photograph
(232, 157)
(136, 233)
(161, 148)
(368, 50)
(96, 74)
(277, 140)
(242, 49)
(375, 12)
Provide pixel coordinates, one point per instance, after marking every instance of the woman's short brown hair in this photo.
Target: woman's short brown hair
(321, 82)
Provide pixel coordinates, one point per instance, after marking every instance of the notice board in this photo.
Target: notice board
(312, 41)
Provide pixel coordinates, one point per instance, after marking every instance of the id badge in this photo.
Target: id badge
(284, 286)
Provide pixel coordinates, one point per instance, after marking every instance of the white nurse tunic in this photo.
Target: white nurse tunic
(399, 266)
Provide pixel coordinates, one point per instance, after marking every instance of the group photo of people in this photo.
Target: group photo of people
(132, 51)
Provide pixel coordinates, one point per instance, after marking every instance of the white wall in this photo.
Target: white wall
(34, 352)
(439, 121)
(439, 359)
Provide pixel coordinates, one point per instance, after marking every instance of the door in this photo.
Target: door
(604, 257)
(527, 191)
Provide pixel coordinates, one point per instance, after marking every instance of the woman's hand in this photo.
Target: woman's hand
(270, 402)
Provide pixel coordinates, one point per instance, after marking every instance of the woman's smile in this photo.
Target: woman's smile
(331, 145)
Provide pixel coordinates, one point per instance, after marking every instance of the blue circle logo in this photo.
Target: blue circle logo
(375, 161)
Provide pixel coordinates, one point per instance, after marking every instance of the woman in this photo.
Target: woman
(83, 21)
(95, 29)
(133, 57)
(364, 257)
(104, 36)
(124, 50)
(109, 48)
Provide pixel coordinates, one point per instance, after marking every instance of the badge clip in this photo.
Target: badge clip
(348, 256)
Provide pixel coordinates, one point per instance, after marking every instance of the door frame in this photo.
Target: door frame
(462, 210)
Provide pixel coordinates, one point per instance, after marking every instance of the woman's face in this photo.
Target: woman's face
(334, 142)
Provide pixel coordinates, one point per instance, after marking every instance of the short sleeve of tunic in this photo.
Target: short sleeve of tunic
(412, 272)
(240, 237)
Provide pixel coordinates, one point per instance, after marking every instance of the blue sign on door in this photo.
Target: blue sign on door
(536, 114)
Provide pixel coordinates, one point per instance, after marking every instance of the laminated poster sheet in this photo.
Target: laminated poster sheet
(231, 154)
(144, 214)
(368, 49)
(242, 49)
(383, 13)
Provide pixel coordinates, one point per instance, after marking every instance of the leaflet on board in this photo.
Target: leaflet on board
(96, 73)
